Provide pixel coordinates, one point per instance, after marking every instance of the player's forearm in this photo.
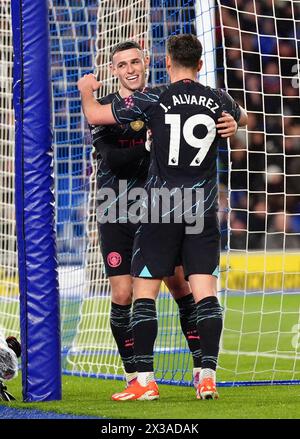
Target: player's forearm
(91, 108)
(243, 121)
(95, 113)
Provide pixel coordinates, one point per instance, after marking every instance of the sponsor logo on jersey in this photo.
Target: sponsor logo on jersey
(137, 125)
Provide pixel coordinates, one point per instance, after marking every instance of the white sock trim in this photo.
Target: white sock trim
(144, 378)
(208, 373)
(196, 370)
(130, 376)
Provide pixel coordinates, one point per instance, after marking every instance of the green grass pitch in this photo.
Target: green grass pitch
(91, 397)
(256, 326)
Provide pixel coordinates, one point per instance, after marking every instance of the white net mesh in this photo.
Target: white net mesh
(93, 349)
(9, 298)
(261, 53)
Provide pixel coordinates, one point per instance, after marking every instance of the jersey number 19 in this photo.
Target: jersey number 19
(174, 120)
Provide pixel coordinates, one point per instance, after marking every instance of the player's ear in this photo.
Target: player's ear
(147, 61)
(112, 69)
(200, 64)
(168, 62)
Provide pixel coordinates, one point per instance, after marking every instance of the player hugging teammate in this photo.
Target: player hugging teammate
(184, 118)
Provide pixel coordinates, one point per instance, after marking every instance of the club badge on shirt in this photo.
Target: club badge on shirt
(137, 125)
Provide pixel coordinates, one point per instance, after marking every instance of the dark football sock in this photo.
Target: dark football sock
(144, 326)
(209, 323)
(120, 323)
(188, 321)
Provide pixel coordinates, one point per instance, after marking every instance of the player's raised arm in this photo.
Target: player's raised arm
(243, 121)
(231, 107)
(95, 113)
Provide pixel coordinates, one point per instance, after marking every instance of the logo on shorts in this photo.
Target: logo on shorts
(114, 259)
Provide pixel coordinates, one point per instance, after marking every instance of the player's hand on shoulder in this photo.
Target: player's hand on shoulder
(148, 142)
(226, 125)
(88, 83)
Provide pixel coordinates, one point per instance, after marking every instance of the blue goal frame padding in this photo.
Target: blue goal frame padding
(38, 275)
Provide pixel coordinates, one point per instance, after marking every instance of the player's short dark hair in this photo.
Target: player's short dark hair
(125, 45)
(185, 50)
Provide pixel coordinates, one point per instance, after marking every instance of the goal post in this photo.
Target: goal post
(38, 280)
(205, 23)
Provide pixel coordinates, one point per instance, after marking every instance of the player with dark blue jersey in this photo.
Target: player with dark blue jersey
(122, 166)
(183, 155)
(121, 156)
(121, 152)
(183, 118)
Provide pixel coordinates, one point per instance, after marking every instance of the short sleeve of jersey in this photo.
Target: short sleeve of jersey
(229, 105)
(100, 132)
(139, 105)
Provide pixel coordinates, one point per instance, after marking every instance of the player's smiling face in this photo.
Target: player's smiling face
(130, 68)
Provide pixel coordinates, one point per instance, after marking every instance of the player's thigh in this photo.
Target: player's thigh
(116, 243)
(201, 251)
(156, 250)
(177, 284)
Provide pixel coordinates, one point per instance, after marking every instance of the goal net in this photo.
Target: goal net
(252, 49)
(93, 349)
(9, 299)
(261, 284)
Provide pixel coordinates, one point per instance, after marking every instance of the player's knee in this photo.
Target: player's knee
(121, 295)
